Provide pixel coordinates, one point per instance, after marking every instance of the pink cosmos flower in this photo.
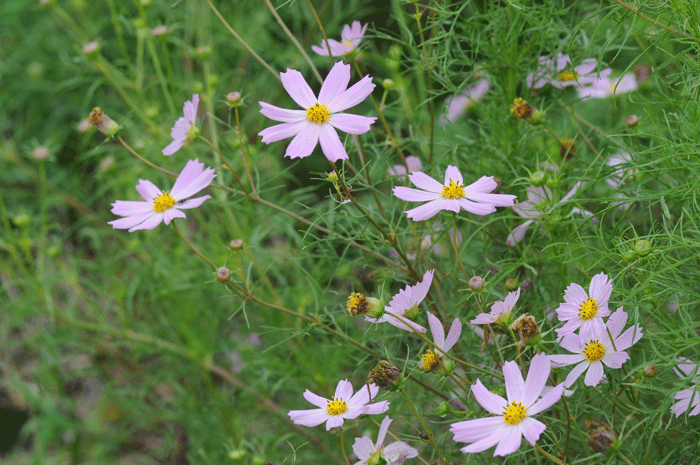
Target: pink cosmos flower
(395, 453)
(554, 72)
(432, 360)
(321, 116)
(515, 416)
(536, 205)
(457, 105)
(184, 129)
(452, 195)
(607, 87)
(596, 350)
(343, 405)
(689, 397)
(500, 310)
(585, 310)
(413, 162)
(163, 205)
(406, 300)
(350, 39)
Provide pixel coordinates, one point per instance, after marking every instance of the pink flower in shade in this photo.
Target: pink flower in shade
(350, 39)
(432, 359)
(536, 205)
(689, 397)
(594, 351)
(321, 116)
(452, 195)
(457, 105)
(607, 87)
(184, 129)
(500, 310)
(585, 310)
(407, 300)
(342, 406)
(395, 453)
(515, 416)
(413, 162)
(163, 205)
(555, 72)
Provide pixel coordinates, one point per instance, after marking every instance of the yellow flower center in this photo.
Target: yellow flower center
(347, 42)
(452, 191)
(568, 76)
(336, 406)
(164, 202)
(430, 360)
(521, 109)
(318, 113)
(514, 413)
(357, 304)
(588, 309)
(594, 351)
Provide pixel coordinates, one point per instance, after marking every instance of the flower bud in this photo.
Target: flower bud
(538, 178)
(632, 121)
(642, 247)
(526, 285)
(236, 244)
(567, 149)
(476, 283)
(223, 274)
(159, 31)
(233, 99)
(203, 52)
(91, 48)
(103, 123)
(511, 284)
(602, 438)
(41, 152)
(388, 84)
(359, 304)
(386, 376)
(332, 177)
(458, 405)
(524, 111)
(650, 370)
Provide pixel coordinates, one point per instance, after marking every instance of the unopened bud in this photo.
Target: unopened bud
(511, 284)
(41, 152)
(203, 52)
(388, 84)
(650, 370)
(233, 99)
(538, 178)
(332, 177)
(359, 304)
(91, 48)
(459, 405)
(103, 123)
(159, 31)
(526, 285)
(386, 376)
(642, 247)
(476, 283)
(602, 437)
(632, 121)
(223, 274)
(236, 244)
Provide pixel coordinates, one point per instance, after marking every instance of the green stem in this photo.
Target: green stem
(177, 230)
(323, 32)
(431, 439)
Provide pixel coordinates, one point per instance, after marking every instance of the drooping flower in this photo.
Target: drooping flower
(395, 453)
(163, 205)
(457, 105)
(515, 416)
(585, 310)
(413, 162)
(607, 87)
(452, 195)
(555, 72)
(535, 207)
(500, 310)
(321, 116)
(342, 406)
(350, 39)
(185, 128)
(597, 349)
(405, 305)
(689, 397)
(433, 359)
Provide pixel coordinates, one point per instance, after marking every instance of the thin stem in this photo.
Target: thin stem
(177, 230)
(549, 456)
(654, 22)
(342, 446)
(431, 103)
(244, 154)
(225, 161)
(431, 439)
(295, 41)
(134, 153)
(454, 245)
(323, 32)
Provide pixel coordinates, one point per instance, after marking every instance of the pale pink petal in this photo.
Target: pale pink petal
(550, 398)
(282, 114)
(383, 428)
(193, 203)
(565, 359)
(594, 374)
(172, 213)
(476, 208)
(453, 174)
(174, 146)
(436, 329)
(570, 194)
(425, 182)
(131, 220)
(283, 131)
(510, 441)
(304, 143)
(352, 124)
(344, 391)
(337, 48)
(148, 190)
(363, 448)
(575, 294)
(601, 288)
(297, 88)
(129, 208)
(518, 233)
(572, 343)
(397, 452)
(377, 408)
(453, 335)
(150, 223)
(514, 381)
(414, 195)
(315, 399)
(190, 108)
(427, 211)
(351, 97)
(477, 429)
(493, 403)
(331, 145)
(575, 373)
(616, 323)
(335, 84)
(614, 359)
(537, 376)
(334, 421)
(532, 429)
(387, 317)
(308, 417)
(488, 441)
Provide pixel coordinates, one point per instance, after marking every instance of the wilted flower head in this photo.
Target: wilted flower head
(527, 329)
(185, 128)
(321, 116)
(395, 453)
(350, 39)
(163, 205)
(515, 416)
(452, 195)
(602, 436)
(385, 375)
(102, 122)
(560, 72)
(343, 405)
(521, 109)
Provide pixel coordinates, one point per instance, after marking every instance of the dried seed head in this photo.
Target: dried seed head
(476, 283)
(223, 274)
(632, 121)
(103, 123)
(601, 438)
(527, 328)
(386, 376)
(567, 149)
(650, 370)
(236, 244)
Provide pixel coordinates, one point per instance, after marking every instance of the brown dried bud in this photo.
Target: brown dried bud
(386, 376)
(476, 283)
(236, 244)
(524, 111)
(103, 123)
(223, 274)
(527, 328)
(601, 436)
(641, 73)
(567, 149)
(511, 284)
(650, 370)
(632, 121)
